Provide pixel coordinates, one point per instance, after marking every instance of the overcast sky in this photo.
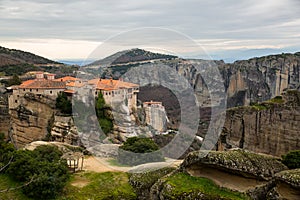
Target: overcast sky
(228, 29)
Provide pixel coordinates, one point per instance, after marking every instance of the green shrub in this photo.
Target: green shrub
(63, 103)
(43, 169)
(103, 114)
(292, 159)
(137, 151)
(277, 99)
(15, 80)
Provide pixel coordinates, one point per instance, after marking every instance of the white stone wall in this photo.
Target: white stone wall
(16, 98)
(121, 95)
(156, 116)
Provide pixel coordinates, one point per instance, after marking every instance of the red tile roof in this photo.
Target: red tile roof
(110, 84)
(75, 84)
(43, 84)
(66, 78)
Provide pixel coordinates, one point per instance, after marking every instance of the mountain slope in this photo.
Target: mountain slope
(13, 56)
(133, 55)
(18, 62)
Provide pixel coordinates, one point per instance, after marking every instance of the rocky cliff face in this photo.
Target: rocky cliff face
(271, 127)
(259, 79)
(4, 115)
(35, 119)
(63, 130)
(29, 121)
(253, 80)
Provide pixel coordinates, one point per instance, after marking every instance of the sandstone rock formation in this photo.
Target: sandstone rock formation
(271, 127)
(29, 121)
(287, 184)
(64, 130)
(4, 114)
(237, 162)
(254, 176)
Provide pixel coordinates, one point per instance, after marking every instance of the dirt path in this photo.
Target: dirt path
(97, 164)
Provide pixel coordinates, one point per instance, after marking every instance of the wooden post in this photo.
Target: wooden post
(82, 162)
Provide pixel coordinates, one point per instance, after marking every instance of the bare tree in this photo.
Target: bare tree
(2, 168)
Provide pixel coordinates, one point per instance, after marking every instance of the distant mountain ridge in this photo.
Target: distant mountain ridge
(13, 56)
(132, 55)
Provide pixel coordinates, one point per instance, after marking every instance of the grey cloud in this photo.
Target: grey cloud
(98, 20)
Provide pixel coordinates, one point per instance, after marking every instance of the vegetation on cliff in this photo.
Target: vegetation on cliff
(103, 112)
(63, 103)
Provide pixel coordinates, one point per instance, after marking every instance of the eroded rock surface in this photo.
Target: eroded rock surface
(271, 127)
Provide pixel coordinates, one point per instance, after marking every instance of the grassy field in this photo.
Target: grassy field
(182, 183)
(107, 185)
(5, 183)
(115, 185)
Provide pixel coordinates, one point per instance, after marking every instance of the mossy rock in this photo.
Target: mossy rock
(183, 186)
(291, 177)
(239, 162)
(142, 182)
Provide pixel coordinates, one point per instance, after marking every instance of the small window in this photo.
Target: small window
(50, 91)
(16, 101)
(37, 90)
(24, 90)
(30, 90)
(96, 93)
(18, 96)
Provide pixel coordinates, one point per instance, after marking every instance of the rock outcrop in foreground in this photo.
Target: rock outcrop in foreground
(234, 174)
(271, 127)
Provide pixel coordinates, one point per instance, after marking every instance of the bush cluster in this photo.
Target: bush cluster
(292, 159)
(136, 151)
(41, 172)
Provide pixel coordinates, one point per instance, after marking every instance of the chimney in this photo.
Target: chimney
(50, 76)
(39, 75)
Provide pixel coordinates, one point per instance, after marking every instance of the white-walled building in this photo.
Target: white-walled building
(112, 90)
(156, 115)
(38, 86)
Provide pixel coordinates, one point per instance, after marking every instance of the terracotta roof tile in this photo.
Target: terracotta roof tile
(66, 78)
(35, 84)
(110, 84)
(75, 84)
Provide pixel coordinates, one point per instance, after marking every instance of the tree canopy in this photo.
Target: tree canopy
(63, 103)
(41, 172)
(103, 112)
(137, 150)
